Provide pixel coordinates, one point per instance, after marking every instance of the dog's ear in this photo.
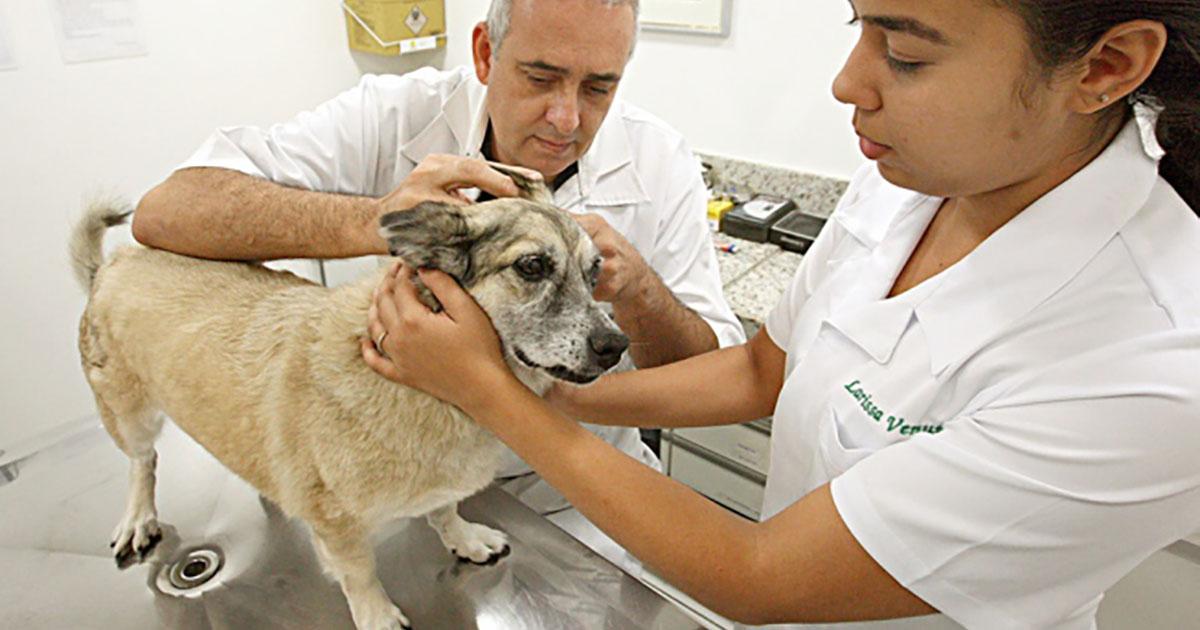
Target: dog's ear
(531, 184)
(432, 235)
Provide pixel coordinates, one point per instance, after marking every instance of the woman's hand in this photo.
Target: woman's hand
(454, 355)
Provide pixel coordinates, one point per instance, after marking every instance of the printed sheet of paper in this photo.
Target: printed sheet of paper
(90, 30)
(8, 56)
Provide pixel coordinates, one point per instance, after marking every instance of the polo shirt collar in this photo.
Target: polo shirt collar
(1038, 252)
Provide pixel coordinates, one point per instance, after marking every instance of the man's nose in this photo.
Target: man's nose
(607, 347)
(563, 112)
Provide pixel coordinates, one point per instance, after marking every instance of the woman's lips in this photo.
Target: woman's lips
(873, 150)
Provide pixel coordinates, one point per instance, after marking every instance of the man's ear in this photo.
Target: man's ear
(431, 235)
(481, 49)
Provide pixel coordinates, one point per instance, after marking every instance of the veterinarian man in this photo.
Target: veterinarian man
(541, 95)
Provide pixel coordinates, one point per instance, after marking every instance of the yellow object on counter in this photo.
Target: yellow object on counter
(717, 208)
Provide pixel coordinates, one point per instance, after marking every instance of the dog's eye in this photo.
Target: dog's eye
(534, 267)
(593, 274)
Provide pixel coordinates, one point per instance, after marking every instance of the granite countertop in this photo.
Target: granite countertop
(756, 275)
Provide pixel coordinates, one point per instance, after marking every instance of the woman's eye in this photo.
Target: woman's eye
(533, 267)
(903, 67)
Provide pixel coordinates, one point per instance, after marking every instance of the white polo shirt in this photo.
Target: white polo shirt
(1011, 437)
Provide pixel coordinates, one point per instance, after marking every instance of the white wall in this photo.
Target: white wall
(123, 124)
(762, 94)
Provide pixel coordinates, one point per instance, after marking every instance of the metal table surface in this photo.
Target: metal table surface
(60, 502)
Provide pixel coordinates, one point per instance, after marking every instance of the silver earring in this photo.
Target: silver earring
(1104, 98)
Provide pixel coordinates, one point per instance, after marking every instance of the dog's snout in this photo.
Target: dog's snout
(607, 347)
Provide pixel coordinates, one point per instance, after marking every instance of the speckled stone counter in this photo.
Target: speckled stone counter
(755, 275)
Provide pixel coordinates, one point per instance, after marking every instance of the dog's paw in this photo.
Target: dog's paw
(134, 539)
(381, 615)
(477, 543)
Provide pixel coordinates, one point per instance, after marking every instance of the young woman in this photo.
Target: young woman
(983, 376)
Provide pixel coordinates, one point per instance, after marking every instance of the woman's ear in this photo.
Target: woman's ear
(1119, 64)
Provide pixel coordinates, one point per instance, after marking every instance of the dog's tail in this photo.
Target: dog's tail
(87, 237)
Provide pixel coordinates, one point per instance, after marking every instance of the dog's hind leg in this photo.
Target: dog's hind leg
(134, 425)
(134, 430)
(470, 541)
(345, 551)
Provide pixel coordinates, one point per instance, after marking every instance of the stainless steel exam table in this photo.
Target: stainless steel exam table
(229, 559)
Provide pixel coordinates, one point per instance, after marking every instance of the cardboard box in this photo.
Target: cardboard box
(395, 27)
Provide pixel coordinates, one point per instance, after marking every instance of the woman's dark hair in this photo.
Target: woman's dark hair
(1063, 31)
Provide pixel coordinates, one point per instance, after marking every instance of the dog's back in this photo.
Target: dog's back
(262, 368)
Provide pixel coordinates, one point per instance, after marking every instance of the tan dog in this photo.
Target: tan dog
(263, 369)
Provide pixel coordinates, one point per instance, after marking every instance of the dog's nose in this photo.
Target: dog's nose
(607, 347)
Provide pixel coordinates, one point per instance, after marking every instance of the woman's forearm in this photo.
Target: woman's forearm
(721, 387)
(686, 539)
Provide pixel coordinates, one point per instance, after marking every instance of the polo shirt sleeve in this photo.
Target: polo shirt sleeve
(333, 148)
(684, 256)
(1020, 512)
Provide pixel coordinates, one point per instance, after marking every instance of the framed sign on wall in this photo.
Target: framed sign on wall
(706, 17)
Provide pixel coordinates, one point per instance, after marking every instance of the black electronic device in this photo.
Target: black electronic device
(796, 231)
(753, 220)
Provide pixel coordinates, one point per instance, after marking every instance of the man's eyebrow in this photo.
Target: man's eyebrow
(906, 25)
(607, 77)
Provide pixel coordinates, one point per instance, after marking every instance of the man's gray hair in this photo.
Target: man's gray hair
(499, 17)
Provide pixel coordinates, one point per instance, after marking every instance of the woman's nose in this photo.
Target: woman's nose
(853, 84)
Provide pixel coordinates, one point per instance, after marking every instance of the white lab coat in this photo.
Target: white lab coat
(639, 175)
(1012, 436)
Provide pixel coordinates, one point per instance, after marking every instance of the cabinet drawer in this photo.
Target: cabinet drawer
(715, 482)
(746, 446)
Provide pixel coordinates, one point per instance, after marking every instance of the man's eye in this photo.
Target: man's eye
(533, 267)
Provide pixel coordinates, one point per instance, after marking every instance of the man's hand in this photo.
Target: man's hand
(624, 274)
(439, 178)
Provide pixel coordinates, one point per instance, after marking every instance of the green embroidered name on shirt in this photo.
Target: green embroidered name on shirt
(891, 423)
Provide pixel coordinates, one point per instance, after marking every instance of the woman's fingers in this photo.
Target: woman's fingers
(456, 302)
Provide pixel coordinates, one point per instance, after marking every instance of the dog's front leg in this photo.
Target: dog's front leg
(470, 541)
(345, 551)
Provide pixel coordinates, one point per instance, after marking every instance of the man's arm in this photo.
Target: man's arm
(661, 329)
(227, 215)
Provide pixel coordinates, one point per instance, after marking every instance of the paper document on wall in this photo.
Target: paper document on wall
(8, 57)
(90, 30)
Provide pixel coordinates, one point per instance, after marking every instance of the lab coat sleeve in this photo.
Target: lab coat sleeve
(333, 148)
(684, 256)
(1022, 510)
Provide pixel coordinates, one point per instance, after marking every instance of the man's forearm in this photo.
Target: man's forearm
(661, 329)
(227, 215)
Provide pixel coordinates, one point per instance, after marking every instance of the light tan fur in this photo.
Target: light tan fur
(263, 369)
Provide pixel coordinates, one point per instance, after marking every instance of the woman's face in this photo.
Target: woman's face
(949, 100)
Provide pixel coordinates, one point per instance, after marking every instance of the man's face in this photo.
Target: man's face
(553, 79)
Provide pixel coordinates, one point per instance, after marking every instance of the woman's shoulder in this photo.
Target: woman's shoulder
(1163, 241)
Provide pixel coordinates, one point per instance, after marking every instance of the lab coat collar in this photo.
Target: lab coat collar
(464, 115)
(1033, 256)
(607, 176)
